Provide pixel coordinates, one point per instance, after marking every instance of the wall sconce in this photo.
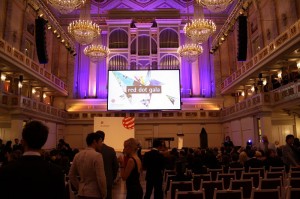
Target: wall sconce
(33, 91)
(252, 88)
(3, 77)
(44, 95)
(20, 85)
(298, 66)
(264, 82)
(279, 74)
(243, 93)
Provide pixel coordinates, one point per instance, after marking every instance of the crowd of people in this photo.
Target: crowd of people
(41, 174)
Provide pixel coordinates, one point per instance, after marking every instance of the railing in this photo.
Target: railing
(282, 95)
(28, 64)
(11, 101)
(292, 32)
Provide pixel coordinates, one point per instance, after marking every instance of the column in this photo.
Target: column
(92, 79)
(16, 129)
(266, 126)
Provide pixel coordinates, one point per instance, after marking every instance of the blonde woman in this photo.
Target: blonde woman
(130, 169)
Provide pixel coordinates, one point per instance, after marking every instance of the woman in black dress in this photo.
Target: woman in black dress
(130, 169)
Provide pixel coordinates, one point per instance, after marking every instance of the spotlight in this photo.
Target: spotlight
(74, 54)
(49, 27)
(58, 36)
(55, 31)
(62, 41)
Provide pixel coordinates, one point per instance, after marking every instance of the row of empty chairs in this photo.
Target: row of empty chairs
(229, 181)
(291, 193)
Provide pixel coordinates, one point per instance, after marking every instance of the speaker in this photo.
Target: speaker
(242, 38)
(40, 40)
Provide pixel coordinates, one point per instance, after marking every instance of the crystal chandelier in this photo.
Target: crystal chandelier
(199, 30)
(84, 30)
(215, 5)
(96, 52)
(190, 52)
(66, 6)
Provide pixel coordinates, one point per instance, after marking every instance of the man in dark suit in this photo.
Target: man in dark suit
(31, 176)
(153, 162)
(111, 165)
(289, 154)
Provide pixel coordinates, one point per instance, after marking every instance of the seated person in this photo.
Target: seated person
(235, 163)
(253, 162)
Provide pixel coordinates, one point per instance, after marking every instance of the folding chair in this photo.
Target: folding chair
(292, 193)
(213, 173)
(294, 182)
(254, 175)
(210, 186)
(238, 172)
(265, 193)
(197, 180)
(199, 194)
(274, 169)
(228, 194)
(261, 171)
(180, 186)
(246, 184)
(226, 178)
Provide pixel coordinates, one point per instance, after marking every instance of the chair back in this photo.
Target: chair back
(210, 186)
(238, 172)
(214, 172)
(260, 170)
(180, 186)
(275, 174)
(274, 169)
(197, 180)
(265, 193)
(228, 194)
(246, 184)
(292, 193)
(294, 182)
(169, 178)
(226, 178)
(272, 183)
(199, 194)
(294, 168)
(168, 172)
(72, 194)
(254, 175)
(295, 174)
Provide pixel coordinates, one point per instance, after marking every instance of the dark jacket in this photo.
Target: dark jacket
(31, 177)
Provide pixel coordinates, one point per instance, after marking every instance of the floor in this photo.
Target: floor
(119, 189)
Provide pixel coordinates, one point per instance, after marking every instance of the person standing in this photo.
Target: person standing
(131, 169)
(88, 165)
(265, 145)
(111, 165)
(289, 154)
(153, 162)
(31, 176)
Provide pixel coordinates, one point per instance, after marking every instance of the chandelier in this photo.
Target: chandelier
(96, 52)
(199, 30)
(66, 6)
(190, 52)
(84, 30)
(215, 5)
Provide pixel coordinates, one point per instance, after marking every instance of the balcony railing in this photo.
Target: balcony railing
(30, 66)
(10, 101)
(284, 95)
(255, 62)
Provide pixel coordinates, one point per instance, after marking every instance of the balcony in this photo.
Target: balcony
(284, 44)
(16, 61)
